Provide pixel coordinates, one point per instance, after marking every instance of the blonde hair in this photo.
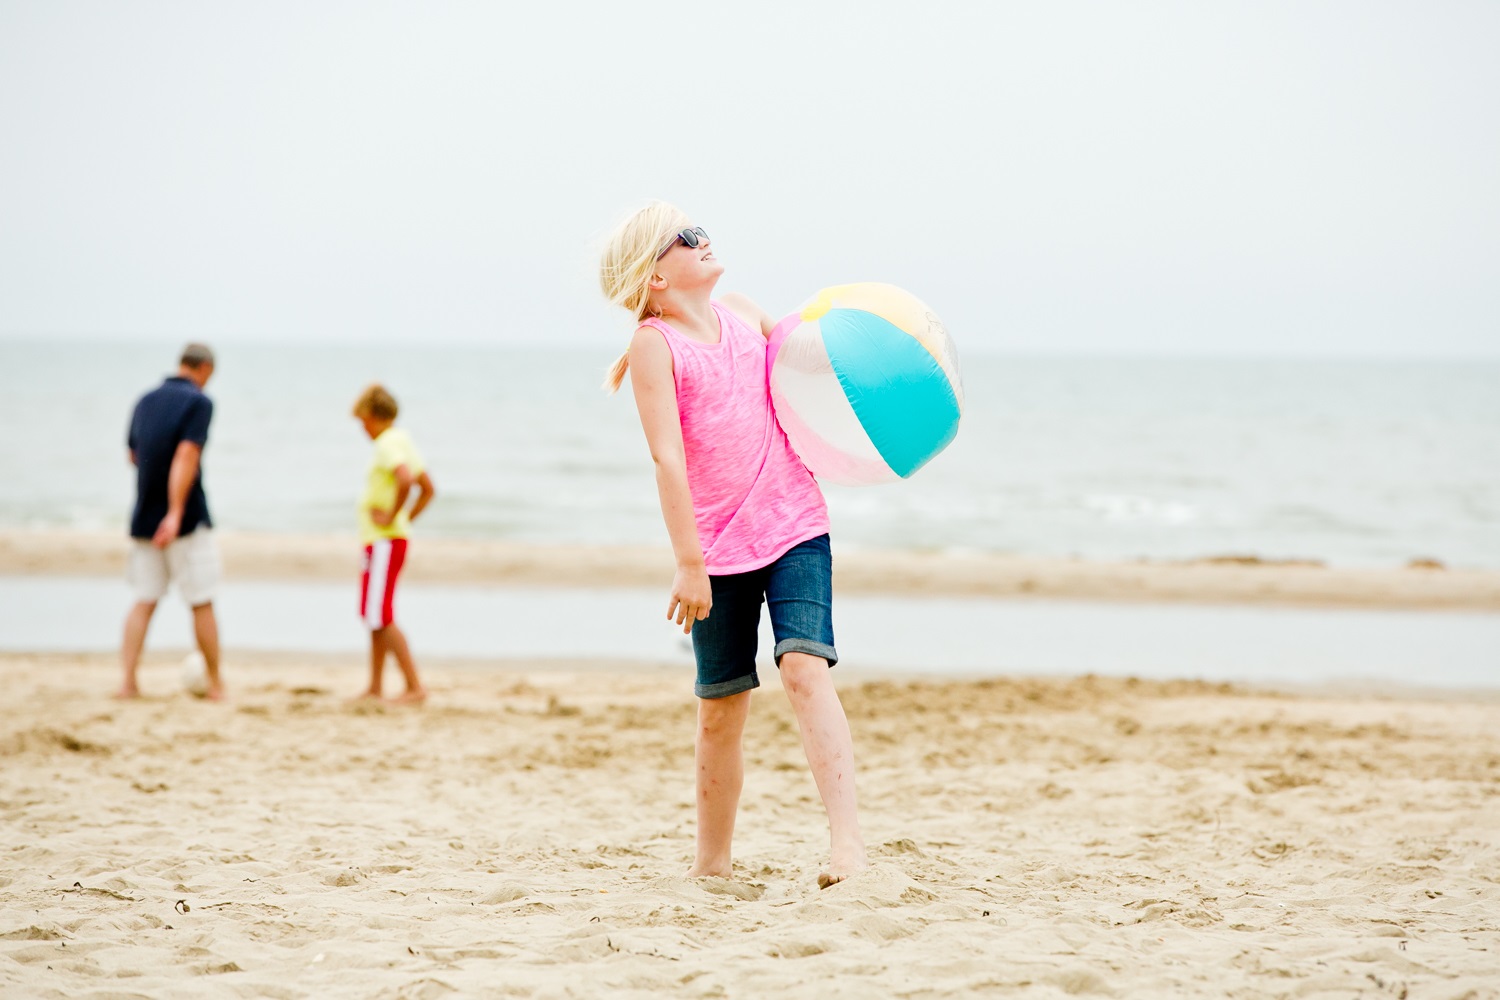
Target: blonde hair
(629, 260)
(376, 402)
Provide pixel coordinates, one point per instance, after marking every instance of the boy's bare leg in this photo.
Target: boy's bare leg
(396, 641)
(137, 621)
(206, 629)
(830, 755)
(721, 774)
(378, 648)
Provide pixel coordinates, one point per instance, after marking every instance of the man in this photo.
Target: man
(171, 533)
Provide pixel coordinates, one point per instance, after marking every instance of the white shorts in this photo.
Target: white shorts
(192, 562)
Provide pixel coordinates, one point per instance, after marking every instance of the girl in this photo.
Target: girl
(746, 519)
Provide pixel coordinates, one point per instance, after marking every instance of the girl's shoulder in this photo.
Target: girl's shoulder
(747, 312)
(650, 333)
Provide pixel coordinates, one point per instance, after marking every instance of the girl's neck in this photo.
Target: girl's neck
(693, 318)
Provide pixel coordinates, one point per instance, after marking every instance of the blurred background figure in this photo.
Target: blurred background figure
(170, 528)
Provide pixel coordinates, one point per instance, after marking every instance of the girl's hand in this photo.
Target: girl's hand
(692, 597)
(382, 517)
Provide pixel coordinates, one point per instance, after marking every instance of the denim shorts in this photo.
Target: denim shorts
(798, 588)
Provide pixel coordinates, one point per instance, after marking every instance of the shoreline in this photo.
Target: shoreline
(1224, 580)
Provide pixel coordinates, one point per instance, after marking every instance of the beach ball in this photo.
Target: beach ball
(865, 382)
(194, 673)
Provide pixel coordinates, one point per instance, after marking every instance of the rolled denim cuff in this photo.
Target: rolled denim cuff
(726, 688)
(824, 650)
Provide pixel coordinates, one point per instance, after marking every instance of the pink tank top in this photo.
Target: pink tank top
(752, 496)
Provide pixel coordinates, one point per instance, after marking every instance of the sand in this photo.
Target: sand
(524, 834)
(1227, 579)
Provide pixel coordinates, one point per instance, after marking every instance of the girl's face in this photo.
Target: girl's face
(686, 267)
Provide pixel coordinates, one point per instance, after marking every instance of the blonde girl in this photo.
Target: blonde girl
(747, 521)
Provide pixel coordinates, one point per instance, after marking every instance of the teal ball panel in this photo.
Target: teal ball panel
(900, 393)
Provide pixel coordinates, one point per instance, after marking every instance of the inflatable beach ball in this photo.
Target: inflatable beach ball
(865, 383)
(194, 673)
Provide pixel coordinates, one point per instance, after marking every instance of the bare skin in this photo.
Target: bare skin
(391, 640)
(830, 757)
(137, 621)
(206, 631)
(180, 478)
(680, 294)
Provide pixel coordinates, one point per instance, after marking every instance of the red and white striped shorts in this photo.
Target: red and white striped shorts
(377, 591)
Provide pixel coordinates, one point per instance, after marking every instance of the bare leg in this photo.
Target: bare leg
(137, 621)
(206, 629)
(830, 755)
(378, 648)
(396, 641)
(721, 775)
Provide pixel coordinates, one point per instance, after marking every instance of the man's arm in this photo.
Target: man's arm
(180, 479)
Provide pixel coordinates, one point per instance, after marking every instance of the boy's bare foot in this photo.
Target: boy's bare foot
(410, 697)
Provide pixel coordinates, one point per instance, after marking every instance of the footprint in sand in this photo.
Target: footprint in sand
(729, 887)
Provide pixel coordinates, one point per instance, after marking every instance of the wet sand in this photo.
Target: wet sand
(1227, 580)
(525, 833)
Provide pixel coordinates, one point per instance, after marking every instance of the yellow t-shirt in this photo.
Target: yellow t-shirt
(393, 449)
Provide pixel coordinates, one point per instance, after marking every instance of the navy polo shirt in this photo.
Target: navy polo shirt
(173, 412)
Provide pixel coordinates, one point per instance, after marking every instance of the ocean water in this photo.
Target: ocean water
(1347, 462)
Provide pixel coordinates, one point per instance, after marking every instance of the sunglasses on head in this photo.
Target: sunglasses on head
(692, 238)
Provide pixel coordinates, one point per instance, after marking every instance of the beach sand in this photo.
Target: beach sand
(1227, 579)
(524, 835)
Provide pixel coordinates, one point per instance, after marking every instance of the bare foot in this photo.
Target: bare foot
(710, 871)
(365, 698)
(841, 871)
(128, 692)
(415, 697)
(215, 693)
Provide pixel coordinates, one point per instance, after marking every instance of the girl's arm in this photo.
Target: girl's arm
(750, 313)
(656, 401)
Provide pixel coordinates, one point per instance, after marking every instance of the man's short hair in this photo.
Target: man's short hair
(197, 355)
(376, 402)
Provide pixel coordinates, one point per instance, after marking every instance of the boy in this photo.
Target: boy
(384, 523)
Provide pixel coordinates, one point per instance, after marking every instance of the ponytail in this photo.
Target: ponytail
(627, 263)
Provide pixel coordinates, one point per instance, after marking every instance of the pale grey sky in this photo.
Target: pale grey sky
(1220, 178)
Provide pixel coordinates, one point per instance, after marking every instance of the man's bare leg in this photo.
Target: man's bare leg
(721, 775)
(206, 629)
(137, 621)
(830, 755)
(396, 641)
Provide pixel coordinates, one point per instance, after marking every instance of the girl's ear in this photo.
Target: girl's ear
(657, 282)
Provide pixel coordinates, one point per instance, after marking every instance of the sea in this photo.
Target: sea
(1343, 462)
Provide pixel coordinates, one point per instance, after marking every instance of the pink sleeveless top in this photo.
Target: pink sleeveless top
(752, 496)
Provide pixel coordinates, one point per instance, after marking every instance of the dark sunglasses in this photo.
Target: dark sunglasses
(691, 238)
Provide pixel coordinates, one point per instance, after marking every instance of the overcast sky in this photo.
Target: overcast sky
(1200, 177)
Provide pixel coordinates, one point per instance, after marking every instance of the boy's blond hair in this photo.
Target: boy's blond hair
(628, 262)
(376, 402)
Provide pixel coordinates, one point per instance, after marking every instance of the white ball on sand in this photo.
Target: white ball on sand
(195, 674)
